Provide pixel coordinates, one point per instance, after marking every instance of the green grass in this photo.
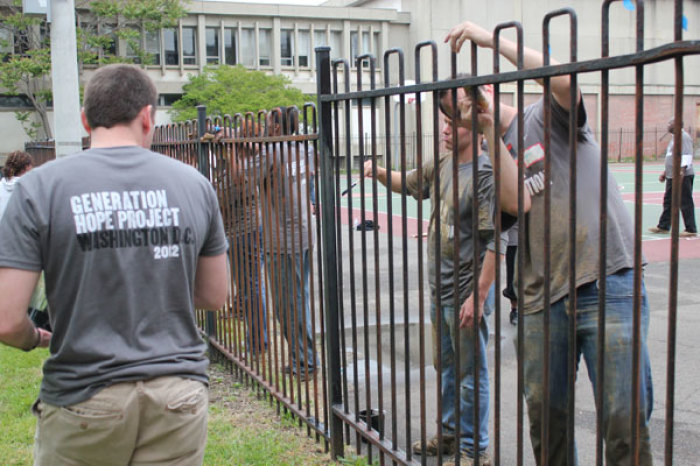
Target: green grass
(243, 429)
(20, 374)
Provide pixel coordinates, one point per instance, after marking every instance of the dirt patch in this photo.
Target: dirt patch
(250, 410)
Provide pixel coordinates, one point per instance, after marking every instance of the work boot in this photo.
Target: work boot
(657, 230)
(432, 446)
(466, 460)
(688, 234)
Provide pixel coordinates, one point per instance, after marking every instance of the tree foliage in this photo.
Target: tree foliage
(25, 64)
(235, 89)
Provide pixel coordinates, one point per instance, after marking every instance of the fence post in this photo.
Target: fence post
(656, 143)
(329, 250)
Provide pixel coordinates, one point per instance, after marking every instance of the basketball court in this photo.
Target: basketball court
(656, 247)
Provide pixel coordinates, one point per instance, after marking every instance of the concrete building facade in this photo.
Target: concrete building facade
(281, 39)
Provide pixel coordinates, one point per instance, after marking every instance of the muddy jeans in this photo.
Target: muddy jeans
(618, 378)
(467, 361)
(157, 421)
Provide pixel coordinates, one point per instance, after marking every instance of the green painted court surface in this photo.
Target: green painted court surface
(624, 173)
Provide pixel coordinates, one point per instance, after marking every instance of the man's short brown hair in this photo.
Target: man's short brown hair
(115, 94)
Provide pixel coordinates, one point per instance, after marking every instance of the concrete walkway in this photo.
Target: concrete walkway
(686, 429)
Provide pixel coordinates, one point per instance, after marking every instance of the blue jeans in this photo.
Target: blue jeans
(466, 377)
(247, 271)
(290, 280)
(618, 369)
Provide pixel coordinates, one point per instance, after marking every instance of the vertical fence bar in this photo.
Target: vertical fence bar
(456, 335)
(476, 245)
(363, 217)
(202, 151)
(572, 359)
(603, 251)
(323, 80)
(421, 297)
(339, 238)
(675, 228)
(390, 229)
(497, 183)
(638, 204)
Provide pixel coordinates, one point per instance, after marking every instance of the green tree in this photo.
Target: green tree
(235, 89)
(25, 49)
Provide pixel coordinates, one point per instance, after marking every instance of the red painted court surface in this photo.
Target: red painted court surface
(656, 247)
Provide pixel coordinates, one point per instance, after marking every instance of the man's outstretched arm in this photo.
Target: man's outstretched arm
(383, 176)
(467, 30)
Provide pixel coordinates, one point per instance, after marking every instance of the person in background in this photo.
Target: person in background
(289, 237)
(687, 177)
(17, 164)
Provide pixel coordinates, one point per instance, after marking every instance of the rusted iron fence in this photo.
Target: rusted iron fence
(272, 329)
(45, 151)
(382, 396)
(333, 322)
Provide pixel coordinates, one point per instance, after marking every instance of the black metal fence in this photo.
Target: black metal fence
(375, 291)
(332, 321)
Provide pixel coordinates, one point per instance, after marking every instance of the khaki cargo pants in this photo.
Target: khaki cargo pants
(162, 421)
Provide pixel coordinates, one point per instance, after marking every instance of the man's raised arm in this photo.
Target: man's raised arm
(531, 58)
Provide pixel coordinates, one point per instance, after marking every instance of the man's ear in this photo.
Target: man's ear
(146, 116)
(83, 119)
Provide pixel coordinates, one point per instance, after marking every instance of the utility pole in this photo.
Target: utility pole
(64, 77)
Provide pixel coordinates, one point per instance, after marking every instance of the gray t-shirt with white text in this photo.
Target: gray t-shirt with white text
(118, 232)
(620, 230)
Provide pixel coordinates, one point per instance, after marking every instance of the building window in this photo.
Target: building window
(265, 47)
(304, 49)
(357, 49)
(320, 39)
(15, 101)
(171, 49)
(336, 44)
(167, 100)
(377, 48)
(133, 44)
(110, 45)
(247, 47)
(230, 46)
(287, 47)
(212, 35)
(189, 45)
(153, 46)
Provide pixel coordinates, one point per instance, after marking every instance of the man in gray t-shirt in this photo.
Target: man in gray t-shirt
(616, 381)
(130, 242)
(452, 262)
(687, 177)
